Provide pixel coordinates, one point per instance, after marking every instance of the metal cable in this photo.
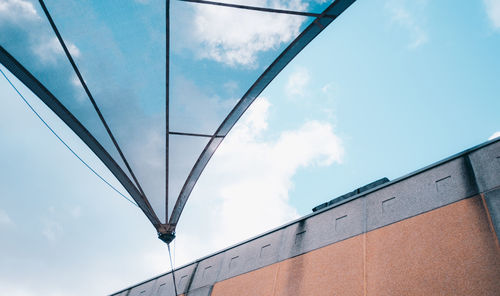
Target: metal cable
(63, 142)
(172, 268)
(89, 94)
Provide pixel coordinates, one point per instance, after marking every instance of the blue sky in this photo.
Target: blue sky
(389, 87)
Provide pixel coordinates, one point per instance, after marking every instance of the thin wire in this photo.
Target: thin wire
(64, 143)
(172, 267)
(89, 94)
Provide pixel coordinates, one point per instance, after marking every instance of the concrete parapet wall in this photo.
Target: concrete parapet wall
(433, 230)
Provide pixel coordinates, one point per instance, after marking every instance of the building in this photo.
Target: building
(432, 232)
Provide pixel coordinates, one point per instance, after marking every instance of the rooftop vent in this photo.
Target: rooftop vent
(349, 194)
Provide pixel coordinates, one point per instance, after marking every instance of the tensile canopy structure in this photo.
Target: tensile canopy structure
(153, 87)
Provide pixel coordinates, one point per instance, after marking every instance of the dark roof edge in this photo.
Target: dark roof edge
(438, 163)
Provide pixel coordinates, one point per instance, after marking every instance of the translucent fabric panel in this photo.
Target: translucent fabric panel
(119, 47)
(217, 53)
(190, 182)
(183, 153)
(308, 34)
(221, 59)
(26, 34)
(316, 6)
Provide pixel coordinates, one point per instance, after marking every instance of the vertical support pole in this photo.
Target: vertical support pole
(167, 99)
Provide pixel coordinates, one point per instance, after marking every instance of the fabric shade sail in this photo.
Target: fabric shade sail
(153, 87)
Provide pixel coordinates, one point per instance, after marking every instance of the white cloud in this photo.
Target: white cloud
(73, 50)
(196, 110)
(76, 212)
(493, 11)
(52, 230)
(19, 287)
(4, 218)
(245, 188)
(410, 19)
(495, 135)
(17, 10)
(8, 288)
(231, 86)
(297, 82)
(24, 16)
(327, 88)
(50, 49)
(235, 37)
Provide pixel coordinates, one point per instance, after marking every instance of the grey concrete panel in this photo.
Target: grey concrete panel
(207, 271)
(445, 182)
(164, 285)
(492, 199)
(320, 230)
(146, 289)
(184, 277)
(202, 291)
(252, 255)
(486, 164)
(428, 190)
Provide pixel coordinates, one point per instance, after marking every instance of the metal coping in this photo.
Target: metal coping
(351, 193)
(414, 173)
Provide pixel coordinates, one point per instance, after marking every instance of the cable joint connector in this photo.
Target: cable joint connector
(167, 237)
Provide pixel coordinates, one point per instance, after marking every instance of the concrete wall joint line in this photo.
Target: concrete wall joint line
(188, 286)
(275, 282)
(490, 221)
(491, 189)
(471, 173)
(365, 217)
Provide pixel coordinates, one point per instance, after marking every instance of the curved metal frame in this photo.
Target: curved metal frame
(333, 11)
(53, 103)
(307, 35)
